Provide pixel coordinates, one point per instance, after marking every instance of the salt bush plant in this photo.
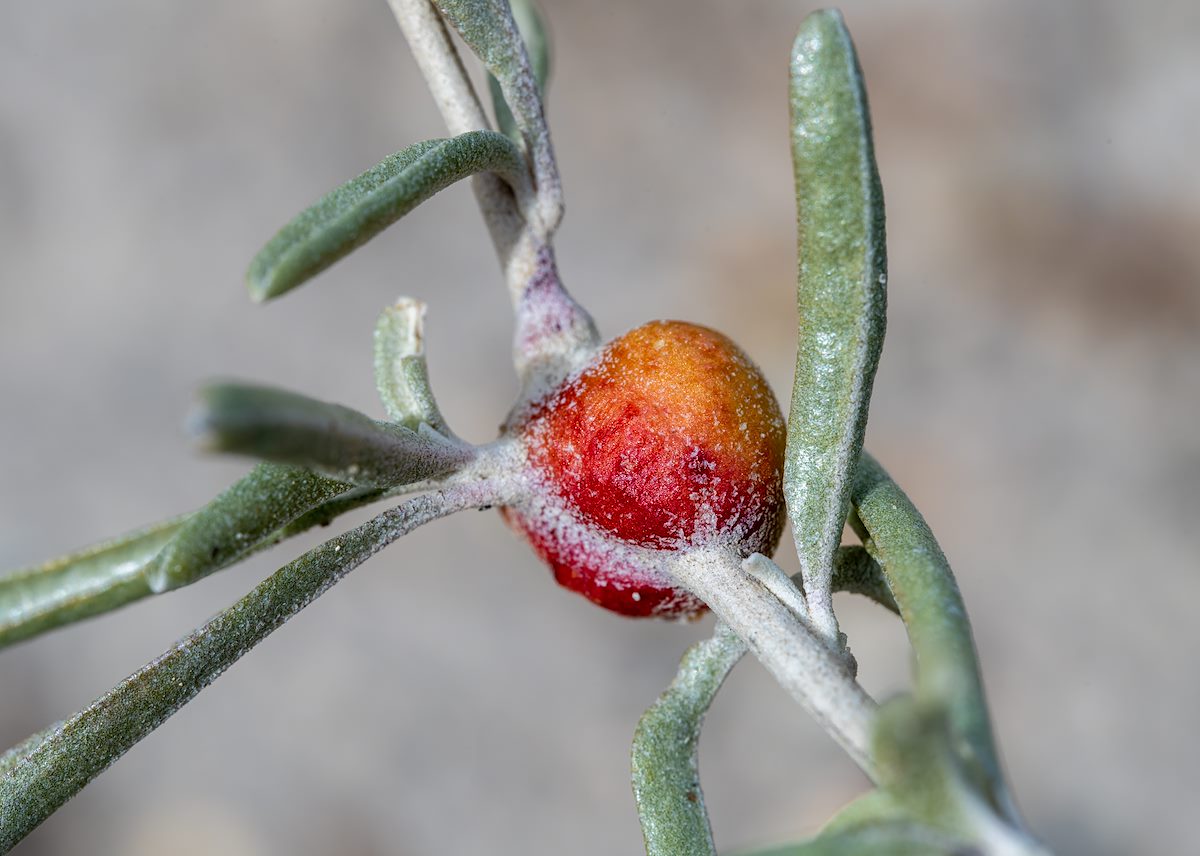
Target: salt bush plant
(651, 473)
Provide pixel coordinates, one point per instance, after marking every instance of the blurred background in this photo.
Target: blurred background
(1037, 398)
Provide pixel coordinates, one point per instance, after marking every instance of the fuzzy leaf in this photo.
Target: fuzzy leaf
(351, 215)
(100, 579)
(401, 375)
(532, 28)
(666, 777)
(334, 441)
(48, 769)
(855, 572)
(920, 579)
(86, 583)
(238, 522)
(919, 768)
(841, 294)
(488, 27)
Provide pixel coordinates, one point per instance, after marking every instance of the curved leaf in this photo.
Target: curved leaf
(855, 572)
(401, 375)
(841, 295)
(488, 27)
(666, 776)
(361, 208)
(921, 771)
(237, 523)
(874, 807)
(70, 593)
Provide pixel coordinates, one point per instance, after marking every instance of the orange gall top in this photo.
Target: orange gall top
(669, 439)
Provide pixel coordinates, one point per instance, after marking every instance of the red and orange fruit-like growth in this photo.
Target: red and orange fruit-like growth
(669, 439)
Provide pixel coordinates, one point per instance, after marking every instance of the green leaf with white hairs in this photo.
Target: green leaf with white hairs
(532, 27)
(328, 439)
(46, 770)
(82, 584)
(666, 776)
(920, 579)
(351, 215)
(841, 295)
(918, 768)
(401, 374)
(855, 572)
(115, 573)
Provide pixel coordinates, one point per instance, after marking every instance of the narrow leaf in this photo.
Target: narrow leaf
(855, 572)
(86, 583)
(401, 375)
(16, 754)
(238, 522)
(532, 27)
(354, 213)
(666, 776)
(918, 575)
(334, 441)
(841, 294)
(58, 766)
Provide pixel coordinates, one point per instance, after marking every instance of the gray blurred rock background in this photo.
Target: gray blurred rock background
(1037, 398)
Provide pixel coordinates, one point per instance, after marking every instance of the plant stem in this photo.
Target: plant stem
(461, 110)
(814, 674)
(666, 780)
(86, 583)
(666, 774)
(841, 296)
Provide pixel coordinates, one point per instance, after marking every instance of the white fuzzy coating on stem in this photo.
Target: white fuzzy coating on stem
(456, 99)
(439, 62)
(799, 659)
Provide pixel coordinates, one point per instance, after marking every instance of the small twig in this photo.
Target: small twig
(554, 333)
(816, 675)
(462, 111)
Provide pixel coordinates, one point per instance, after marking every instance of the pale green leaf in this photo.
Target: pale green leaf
(354, 213)
(841, 294)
